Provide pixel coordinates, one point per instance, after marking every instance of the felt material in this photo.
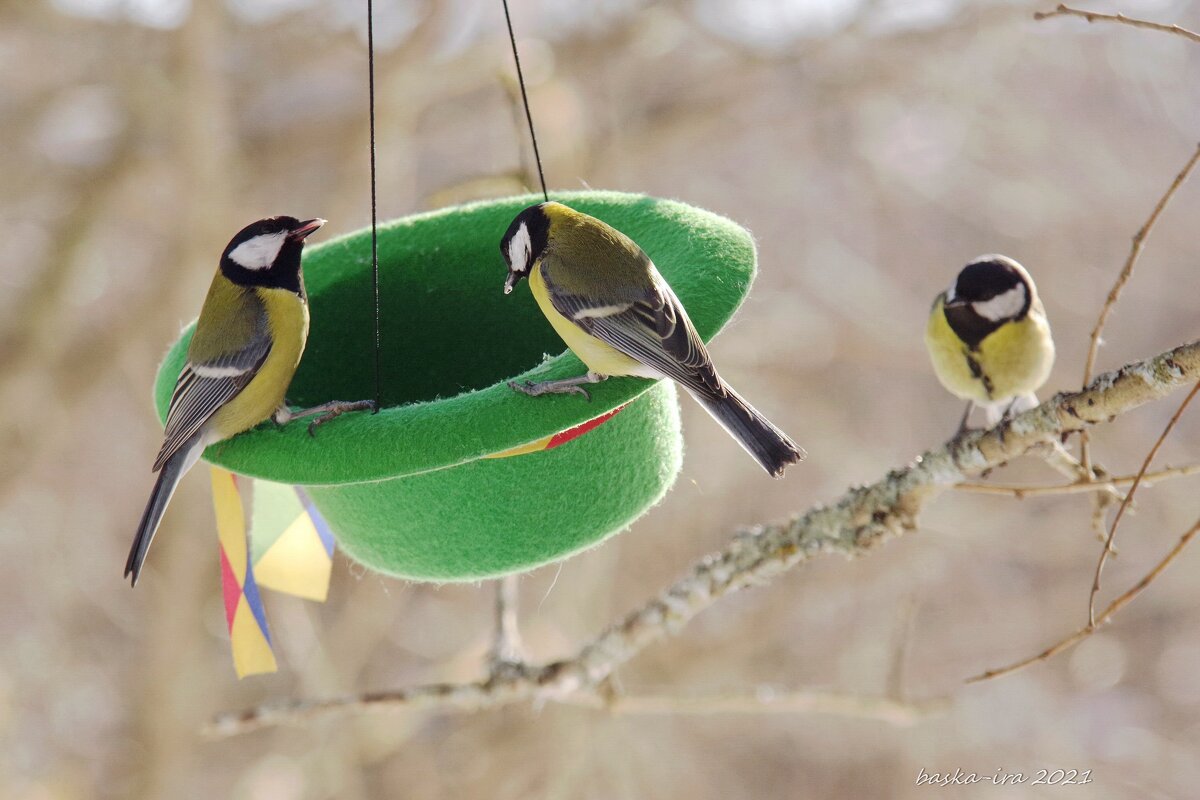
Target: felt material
(496, 516)
(408, 491)
(451, 338)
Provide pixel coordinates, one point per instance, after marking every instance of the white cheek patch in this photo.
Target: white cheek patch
(1002, 306)
(519, 249)
(259, 252)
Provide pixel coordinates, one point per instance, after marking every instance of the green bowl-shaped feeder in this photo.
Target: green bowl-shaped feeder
(416, 490)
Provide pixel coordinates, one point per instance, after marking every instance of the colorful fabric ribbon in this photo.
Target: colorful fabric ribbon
(288, 548)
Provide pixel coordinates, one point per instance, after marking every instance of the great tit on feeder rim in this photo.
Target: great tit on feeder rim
(608, 302)
(245, 350)
(989, 340)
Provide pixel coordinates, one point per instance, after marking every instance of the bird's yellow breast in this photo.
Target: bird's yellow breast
(1013, 360)
(287, 318)
(597, 355)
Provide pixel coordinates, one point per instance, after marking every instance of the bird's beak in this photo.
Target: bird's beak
(511, 281)
(306, 227)
(956, 303)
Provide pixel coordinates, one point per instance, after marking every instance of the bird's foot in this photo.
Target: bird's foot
(562, 386)
(327, 411)
(963, 428)
(330, 411)
(533, 389)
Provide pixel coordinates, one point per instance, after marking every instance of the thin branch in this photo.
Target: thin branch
(1084, 471)
(1086, 631)
(767, 700)
(1095, 16)
(864, 517)
(1057, 456)
(472, 697)
(506, 639)
(906, 618)
(1135, 250)
(1079, 487)
(1112, 533)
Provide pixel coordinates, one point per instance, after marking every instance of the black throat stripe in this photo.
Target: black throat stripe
(978, 373)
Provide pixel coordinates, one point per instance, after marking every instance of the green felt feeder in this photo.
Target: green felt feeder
(417, 490)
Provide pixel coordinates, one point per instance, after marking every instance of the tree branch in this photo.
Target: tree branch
(769, 700)
(1094, 16)
(862, 518)
(506, 638)
(1079, 487)
(1113, 607)
(1112, 533)
(1135, 250)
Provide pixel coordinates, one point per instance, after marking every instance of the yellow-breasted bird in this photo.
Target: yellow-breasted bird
(247, 345)
(989, 339)
(610, 305)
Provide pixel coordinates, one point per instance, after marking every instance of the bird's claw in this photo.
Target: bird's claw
(532, 389)
(338, 410)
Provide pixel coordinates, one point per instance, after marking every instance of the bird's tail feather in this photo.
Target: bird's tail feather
(168, 478)
(770, 447)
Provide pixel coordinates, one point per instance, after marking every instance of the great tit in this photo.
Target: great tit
(247, 345)
(610, 305)
(989, 339)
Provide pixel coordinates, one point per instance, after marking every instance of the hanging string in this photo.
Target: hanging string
(374, 205)
(525, 100)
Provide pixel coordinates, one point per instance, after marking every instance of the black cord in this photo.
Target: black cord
(525, 100)
(374, 206)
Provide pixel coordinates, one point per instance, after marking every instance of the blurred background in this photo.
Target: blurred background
(872, 147)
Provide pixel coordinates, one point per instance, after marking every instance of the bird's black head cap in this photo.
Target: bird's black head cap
(989, 292)
(524, 243)
(267, 253)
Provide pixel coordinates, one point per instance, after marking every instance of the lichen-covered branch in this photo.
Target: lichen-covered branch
(861, 519)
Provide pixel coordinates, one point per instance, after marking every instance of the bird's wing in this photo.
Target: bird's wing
(651, 328)
(215, 372)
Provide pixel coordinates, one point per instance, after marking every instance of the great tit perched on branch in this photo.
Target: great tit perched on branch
(247, 345)
(989, 339)
(607, 301)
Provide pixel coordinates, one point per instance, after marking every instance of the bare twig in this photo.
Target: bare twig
(1079, 487)
(1095, 16)
(1113, 607)
(1135, 250)
(906, 617)
(769, 700)
(1061, 461)
(1112, 533)
(1085, 472)
(1101, 502)
(861, 519)
(481, 696)
(506, 639)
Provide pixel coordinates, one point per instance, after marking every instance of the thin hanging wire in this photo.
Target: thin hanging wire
(525, 100)
(374, 205)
